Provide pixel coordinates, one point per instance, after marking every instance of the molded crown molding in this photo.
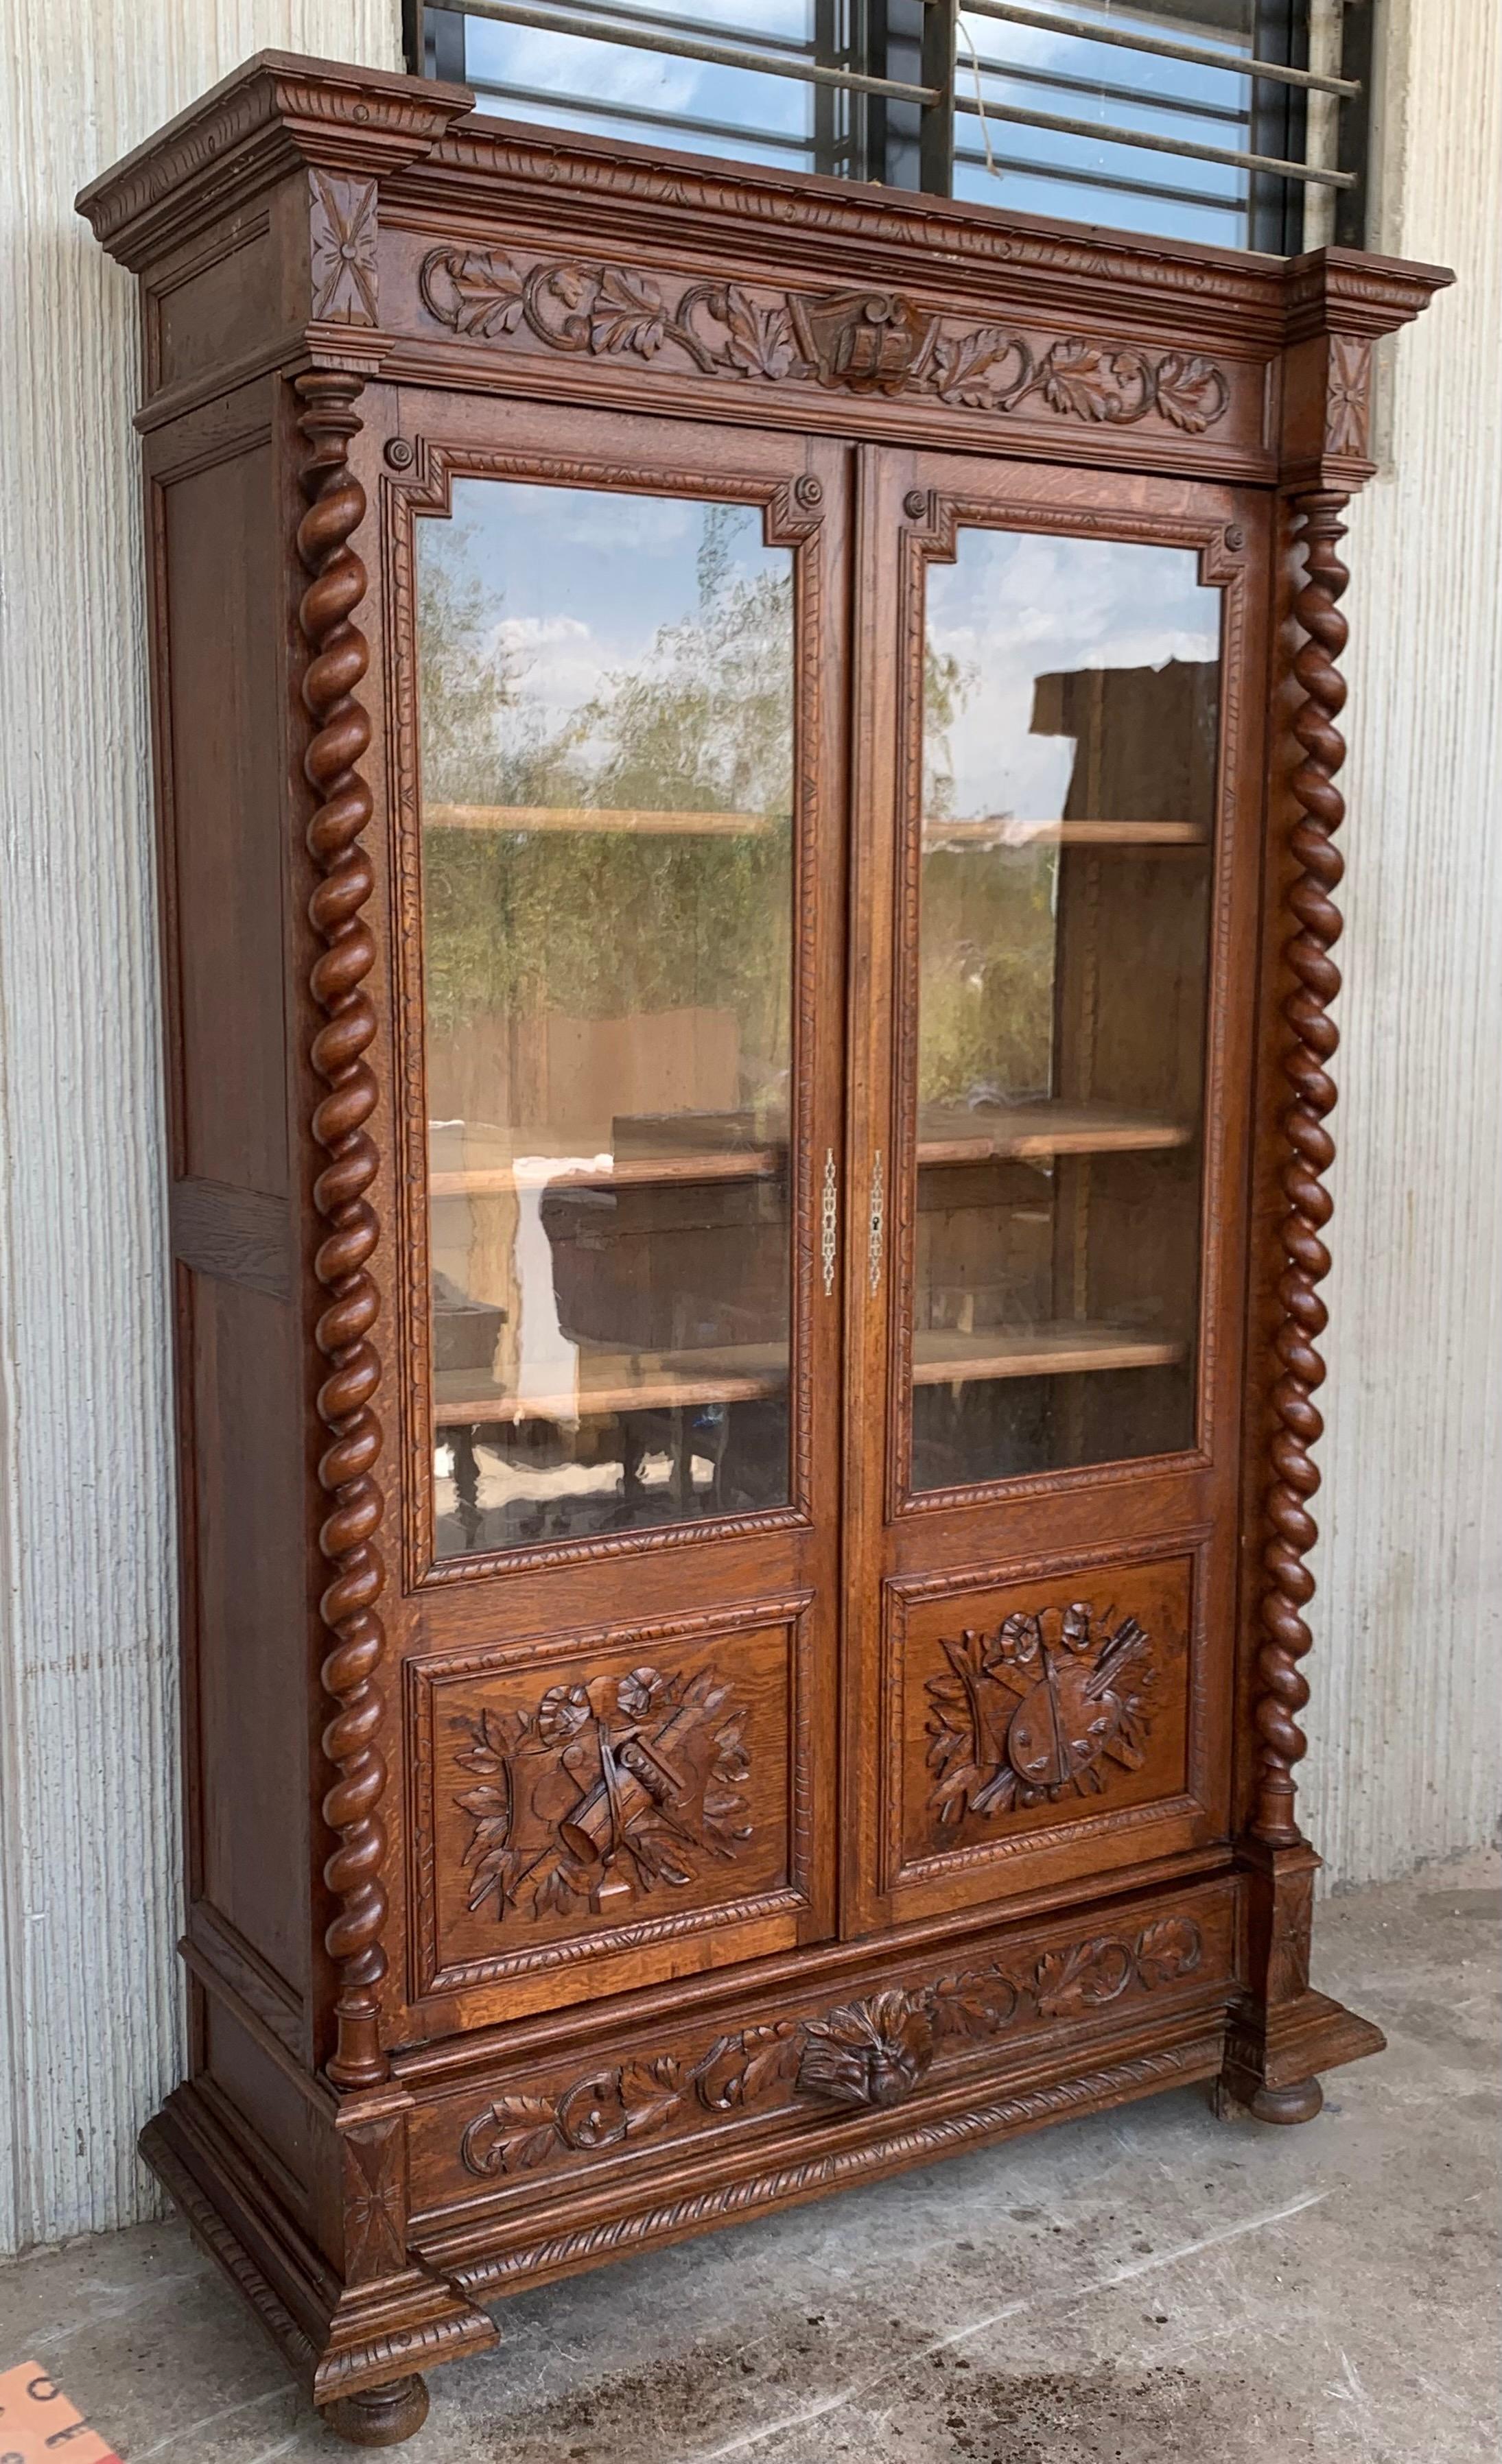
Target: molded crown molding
(265, 119)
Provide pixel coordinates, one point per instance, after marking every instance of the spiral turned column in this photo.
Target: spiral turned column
(1292, 1531)
(337, 663)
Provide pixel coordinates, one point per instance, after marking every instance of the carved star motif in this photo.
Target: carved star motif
(342, 237)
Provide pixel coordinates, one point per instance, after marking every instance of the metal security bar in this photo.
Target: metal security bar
(1105, 134)
(897, 87)
(644, 36)
(1131, 39)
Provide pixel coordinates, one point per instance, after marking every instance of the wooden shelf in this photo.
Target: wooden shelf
(635, 821)
(994, 830)
(1045, 1128)
(1003, 830)
(1059, 1349)
(739, 1373)
(1019, 1130)
(744, 1372)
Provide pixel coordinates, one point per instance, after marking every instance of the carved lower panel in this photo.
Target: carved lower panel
(1039, 1709)
(917, 2143)
(884, 2040)
(583, 1795)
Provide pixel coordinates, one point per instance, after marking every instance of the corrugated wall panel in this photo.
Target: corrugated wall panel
(89, 1997)
(1406, 1760)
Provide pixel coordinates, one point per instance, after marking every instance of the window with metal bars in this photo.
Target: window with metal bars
(1241, 121)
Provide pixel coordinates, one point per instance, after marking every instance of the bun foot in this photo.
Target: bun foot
(380, 2416)
(1299, 2102)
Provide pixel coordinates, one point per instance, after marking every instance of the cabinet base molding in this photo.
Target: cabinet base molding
(418, 2277)
(353, 2346)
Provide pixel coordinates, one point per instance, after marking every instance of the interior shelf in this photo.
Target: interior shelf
(992, 831)
(1024, 1130)
(751, 1371)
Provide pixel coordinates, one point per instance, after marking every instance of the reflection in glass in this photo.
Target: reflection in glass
(606, 761)
(1069, 797)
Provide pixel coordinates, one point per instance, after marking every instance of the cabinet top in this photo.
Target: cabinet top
(356, 174)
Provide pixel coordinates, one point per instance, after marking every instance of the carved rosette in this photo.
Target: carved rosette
(346, 1537)
(1292, 1531)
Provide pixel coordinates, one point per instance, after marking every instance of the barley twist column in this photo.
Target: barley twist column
(338, 661)
(1283, 1690)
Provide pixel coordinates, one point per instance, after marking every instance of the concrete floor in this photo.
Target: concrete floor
(1132, 2288)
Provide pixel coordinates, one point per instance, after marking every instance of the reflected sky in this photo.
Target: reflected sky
(1015, 605)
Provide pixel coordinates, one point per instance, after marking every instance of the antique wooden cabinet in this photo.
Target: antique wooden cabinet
(747, 781)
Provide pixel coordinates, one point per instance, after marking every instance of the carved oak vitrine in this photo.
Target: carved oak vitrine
(747, 790)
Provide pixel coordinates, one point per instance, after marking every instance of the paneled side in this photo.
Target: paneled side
(220, 551)
(246, 1611)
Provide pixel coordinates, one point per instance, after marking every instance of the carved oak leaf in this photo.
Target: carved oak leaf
(1190, 391)
(1082, 1977)
(761, 341)
(737, 2071)
(525, 2131)
(650, 2094)
(975, 2004)
(629, 313)
(474, 290)
(1169, 1948)
(1075, 379)
(965, 366)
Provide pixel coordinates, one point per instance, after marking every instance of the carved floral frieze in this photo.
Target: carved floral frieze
(863, 342)
(869, 2054)
(1037, 1710)
(624, 1780)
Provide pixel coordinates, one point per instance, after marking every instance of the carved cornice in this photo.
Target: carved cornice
(1342, 290)
(276, 111)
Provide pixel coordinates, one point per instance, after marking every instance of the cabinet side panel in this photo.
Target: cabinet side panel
(220, 734)
(225, 756)
(249, 1615)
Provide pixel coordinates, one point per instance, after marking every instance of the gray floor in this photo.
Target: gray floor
(1133, 2289)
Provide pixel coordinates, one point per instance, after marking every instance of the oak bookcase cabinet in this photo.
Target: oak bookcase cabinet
(746, 775)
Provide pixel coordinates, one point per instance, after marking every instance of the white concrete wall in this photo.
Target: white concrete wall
(1406, 1759)
(89, 1910)
(1407, 1635)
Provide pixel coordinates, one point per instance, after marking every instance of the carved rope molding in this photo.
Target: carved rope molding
(351, 1807)
(869, 2054)
(857, 340)
(1284, 1690)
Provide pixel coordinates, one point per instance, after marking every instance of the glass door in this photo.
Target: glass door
(620, 767)
(1054, 868)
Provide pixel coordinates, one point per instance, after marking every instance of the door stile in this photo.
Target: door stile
(882, 603)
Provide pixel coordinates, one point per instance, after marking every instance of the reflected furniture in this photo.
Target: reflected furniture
(747, 791)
